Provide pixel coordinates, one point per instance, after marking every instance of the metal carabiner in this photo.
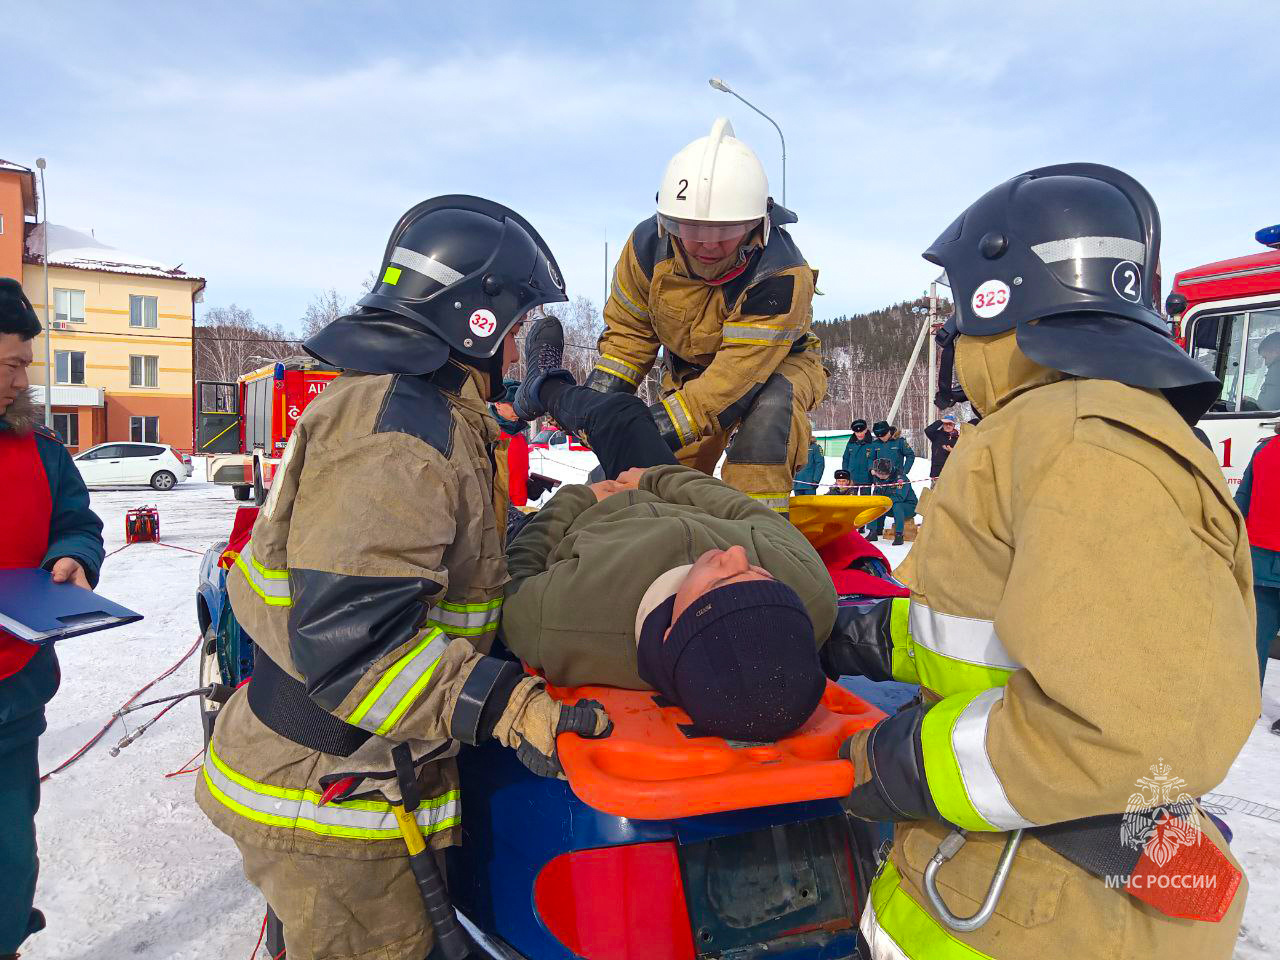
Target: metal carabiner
(947, 849)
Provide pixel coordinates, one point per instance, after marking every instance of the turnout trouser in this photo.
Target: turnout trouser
(617, 426)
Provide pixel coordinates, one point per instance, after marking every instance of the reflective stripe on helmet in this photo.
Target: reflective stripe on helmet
(441, 273)
(1091, 248)
(401, 684)
(617, 367)
(301, 809)
(961, 778)
(957, 654)
(897, 928)
(272, 586)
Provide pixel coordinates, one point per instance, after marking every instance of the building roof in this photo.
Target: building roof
(79, 249)
(28, 185)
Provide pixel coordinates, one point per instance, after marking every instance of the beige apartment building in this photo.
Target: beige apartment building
(119, 328)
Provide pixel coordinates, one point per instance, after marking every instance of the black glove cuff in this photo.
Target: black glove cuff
(897, 789)
(581, 719)
(482, 699)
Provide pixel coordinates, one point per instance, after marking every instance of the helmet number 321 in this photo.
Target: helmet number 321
(990, 299)
(483, 323)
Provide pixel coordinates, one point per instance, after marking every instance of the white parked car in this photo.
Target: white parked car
(123, 464)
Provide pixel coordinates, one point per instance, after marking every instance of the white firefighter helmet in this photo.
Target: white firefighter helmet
(713, 188)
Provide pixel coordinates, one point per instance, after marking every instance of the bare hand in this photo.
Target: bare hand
(67, 570)
(630, 479)
(607, 488)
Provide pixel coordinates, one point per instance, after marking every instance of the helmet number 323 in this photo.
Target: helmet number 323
(990, 299)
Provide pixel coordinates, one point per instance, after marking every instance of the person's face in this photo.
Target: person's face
(1270, 355)
(843, 481)
(712, 258)
(884, 436)
(715, 568)
(15, 357)
(507, 411)
(948, 426)
(860, 434)
(510, 352)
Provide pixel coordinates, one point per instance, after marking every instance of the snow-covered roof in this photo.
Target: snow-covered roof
(7, 165)
(69, 247)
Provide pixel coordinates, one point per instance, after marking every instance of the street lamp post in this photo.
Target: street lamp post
(48, 330)
(723, 87)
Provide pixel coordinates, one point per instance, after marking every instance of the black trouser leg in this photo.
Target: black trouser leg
(617, 426)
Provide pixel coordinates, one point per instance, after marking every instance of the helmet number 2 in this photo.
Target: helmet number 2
(684, 185)
(990, 299)
(1126, 278)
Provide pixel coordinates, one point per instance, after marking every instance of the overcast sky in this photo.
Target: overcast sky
(271, 147)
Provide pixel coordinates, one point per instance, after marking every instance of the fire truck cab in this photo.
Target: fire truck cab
(243, 426)
(1227, 316)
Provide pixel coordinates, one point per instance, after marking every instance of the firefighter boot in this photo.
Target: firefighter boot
(543, 359)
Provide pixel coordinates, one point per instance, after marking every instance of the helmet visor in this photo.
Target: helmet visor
(697, 231)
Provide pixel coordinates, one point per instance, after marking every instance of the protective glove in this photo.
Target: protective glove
(666, 429)
(888, 769)
(532, 720)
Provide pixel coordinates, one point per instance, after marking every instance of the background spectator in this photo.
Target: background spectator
(1269, 350)
(46, 522)
(888, 481)
(942, 435)
(810, 474)
(513, 445)
(857, 457)
(889, 445)
(843, 487)
(1258, 498)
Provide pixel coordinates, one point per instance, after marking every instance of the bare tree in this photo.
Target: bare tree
(229, 342)
(324, 308)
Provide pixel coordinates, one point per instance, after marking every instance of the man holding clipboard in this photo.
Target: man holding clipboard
(45, 524)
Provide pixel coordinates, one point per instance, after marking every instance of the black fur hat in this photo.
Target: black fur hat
(16, 313)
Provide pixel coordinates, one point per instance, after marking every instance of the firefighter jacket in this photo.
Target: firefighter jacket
(737, 350)
(1080, 617)
(580, 568)
(374, 574)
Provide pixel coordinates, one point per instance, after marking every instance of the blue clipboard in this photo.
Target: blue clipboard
(35, 609)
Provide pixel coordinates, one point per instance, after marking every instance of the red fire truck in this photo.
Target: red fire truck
(1226, 315)
(243, 426)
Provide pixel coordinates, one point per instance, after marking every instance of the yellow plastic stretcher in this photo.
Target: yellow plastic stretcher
(822, 518)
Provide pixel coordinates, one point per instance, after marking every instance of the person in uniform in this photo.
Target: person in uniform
(1080, 618)
(372, 587)
(857, 456)
(716, 282)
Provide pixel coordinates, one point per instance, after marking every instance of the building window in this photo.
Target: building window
(144, 429)
(144, 371)
(67, 427)
(68, 306)
(142, 311)
(69, 366)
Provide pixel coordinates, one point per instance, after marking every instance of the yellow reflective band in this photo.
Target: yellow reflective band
(271, 586)
(961, 778)
(627, 304)
(902, 659)
(400, 685)
(619, 368)
(779, 502)
(758, 333)
(466, 619)
(897, 928)
(302, 810)
(392, 276)
(678, 414)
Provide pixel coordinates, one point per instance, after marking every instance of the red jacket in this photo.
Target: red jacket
(517, 469)
(1261, 487)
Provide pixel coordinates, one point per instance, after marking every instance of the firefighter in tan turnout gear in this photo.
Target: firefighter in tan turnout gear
(1080, 617)
(715, 281)
(372, 587)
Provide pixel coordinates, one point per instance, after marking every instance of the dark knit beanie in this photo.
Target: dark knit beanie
(16, 313)
(742, 661)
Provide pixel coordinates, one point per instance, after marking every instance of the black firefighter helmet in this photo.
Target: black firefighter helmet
(458, 273)
(1068, 256)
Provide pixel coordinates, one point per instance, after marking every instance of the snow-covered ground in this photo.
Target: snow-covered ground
(131, 868)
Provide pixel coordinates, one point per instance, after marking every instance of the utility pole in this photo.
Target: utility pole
(48, 330)
(932, 347)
